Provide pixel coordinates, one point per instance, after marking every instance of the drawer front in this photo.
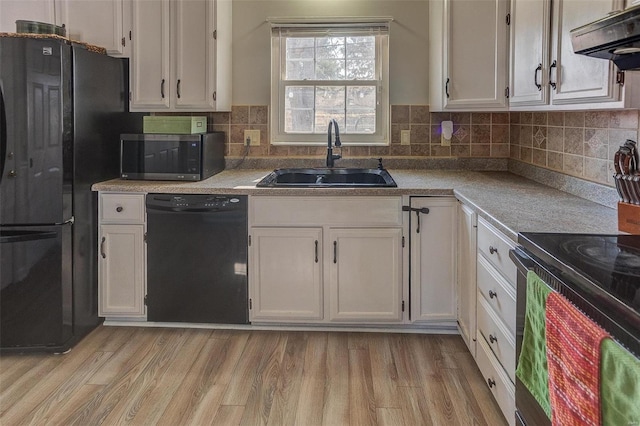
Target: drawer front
(122, 208)
(495, 246)
(329, 211)
(497, 292)
(498, 337)
(499, 385)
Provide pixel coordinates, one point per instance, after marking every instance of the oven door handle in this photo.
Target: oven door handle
(521, 259)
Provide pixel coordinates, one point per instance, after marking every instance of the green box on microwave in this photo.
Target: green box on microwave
(176, 125)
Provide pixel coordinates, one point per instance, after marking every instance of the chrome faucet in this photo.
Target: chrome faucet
(331, 157)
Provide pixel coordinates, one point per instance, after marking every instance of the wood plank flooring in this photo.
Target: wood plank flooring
(149, 376)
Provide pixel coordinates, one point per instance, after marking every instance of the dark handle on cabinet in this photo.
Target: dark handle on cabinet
(178, 89)
(418, 210)
(446, 88)
(316, 251)
(492, 294)
(552, 83)
(12, 173)
(102, 253)
(492, 338)
(3, 133)
(119, 209)
(535, 77)
(492, 250)
(491, 382)
(335, 252)
(162, 89)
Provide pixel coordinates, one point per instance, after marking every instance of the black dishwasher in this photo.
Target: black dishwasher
(197, 258)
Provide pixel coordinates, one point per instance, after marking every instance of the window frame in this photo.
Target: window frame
(281, 31)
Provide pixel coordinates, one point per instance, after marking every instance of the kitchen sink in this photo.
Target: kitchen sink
(328, 178)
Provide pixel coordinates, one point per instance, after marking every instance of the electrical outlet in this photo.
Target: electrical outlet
(252, 137)
(444, 141)
(405, 137)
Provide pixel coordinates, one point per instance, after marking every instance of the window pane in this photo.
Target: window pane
(330, 97)
(361, 69)
(330, 69)
(300, 48)
(301, 69)
(330, 47)
(300, 58)
(323, 117)
(361, 109)
(298, 114)
(361, 47)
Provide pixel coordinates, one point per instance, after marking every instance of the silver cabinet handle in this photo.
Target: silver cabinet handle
(102, 252)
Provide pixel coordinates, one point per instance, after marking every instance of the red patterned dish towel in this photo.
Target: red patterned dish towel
(573, 357)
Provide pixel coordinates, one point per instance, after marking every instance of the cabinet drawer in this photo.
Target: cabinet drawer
(498, 337)
(499, 385)
(495, 246)
(122, 208)
(328, 211)
(497, 292)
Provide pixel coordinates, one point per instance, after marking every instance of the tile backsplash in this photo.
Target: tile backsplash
(575, 143)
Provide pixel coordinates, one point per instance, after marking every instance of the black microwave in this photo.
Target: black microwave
(171, 157)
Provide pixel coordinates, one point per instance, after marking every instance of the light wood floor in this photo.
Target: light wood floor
(149, 376)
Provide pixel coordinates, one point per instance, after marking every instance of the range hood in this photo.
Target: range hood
(615, 37)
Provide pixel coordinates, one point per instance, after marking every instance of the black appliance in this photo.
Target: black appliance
(615, 37)
(599, 274)
(171, 157)
(62, 109)
(197, 258)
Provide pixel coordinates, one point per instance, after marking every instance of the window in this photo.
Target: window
(325, 71)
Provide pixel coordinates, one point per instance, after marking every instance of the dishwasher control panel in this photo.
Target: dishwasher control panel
(196, 201)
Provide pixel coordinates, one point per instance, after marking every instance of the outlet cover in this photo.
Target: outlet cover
(253, 136)
(444, 141)
(405, 137)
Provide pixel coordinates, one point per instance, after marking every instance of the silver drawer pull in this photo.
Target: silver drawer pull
(492, 338)
(119, 209)
(492, 249)
(491, 382)
(492, 294)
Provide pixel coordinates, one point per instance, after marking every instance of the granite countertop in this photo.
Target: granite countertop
(510, 202)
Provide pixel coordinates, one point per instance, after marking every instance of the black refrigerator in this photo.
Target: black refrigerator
(62, 109)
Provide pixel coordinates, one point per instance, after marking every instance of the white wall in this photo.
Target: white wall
(408, 39)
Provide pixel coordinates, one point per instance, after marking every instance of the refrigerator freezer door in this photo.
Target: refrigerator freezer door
(35, 287)
(37, 130)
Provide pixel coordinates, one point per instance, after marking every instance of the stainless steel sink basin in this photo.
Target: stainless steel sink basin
(327, 178)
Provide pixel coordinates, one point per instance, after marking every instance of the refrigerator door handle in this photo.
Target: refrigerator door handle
(3, 131)
(24, 236)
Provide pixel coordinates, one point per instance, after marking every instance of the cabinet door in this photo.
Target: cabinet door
(365, 274)
(433, 272)
(286, 274)
(579, 78)
(530, 33)
(121, 269)
(104, 23)
(476, 35)
(25, 10)
(466, 274)
(195, 67)
(150, 66)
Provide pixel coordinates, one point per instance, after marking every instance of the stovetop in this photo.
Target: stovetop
(609, 262)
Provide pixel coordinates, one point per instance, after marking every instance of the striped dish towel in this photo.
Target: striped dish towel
(573, 357)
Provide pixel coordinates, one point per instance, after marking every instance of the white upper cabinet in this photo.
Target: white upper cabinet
(25, 10)
(468, 55)
(104, 23)
(545, 73)
(181, 55)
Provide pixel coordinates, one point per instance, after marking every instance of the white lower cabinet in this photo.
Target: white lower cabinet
(365, 282)
(466, 275)
(122, 256)
(287, 274)
(326, 260)
(433, 254)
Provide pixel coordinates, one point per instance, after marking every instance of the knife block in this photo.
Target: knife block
(629, 218)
